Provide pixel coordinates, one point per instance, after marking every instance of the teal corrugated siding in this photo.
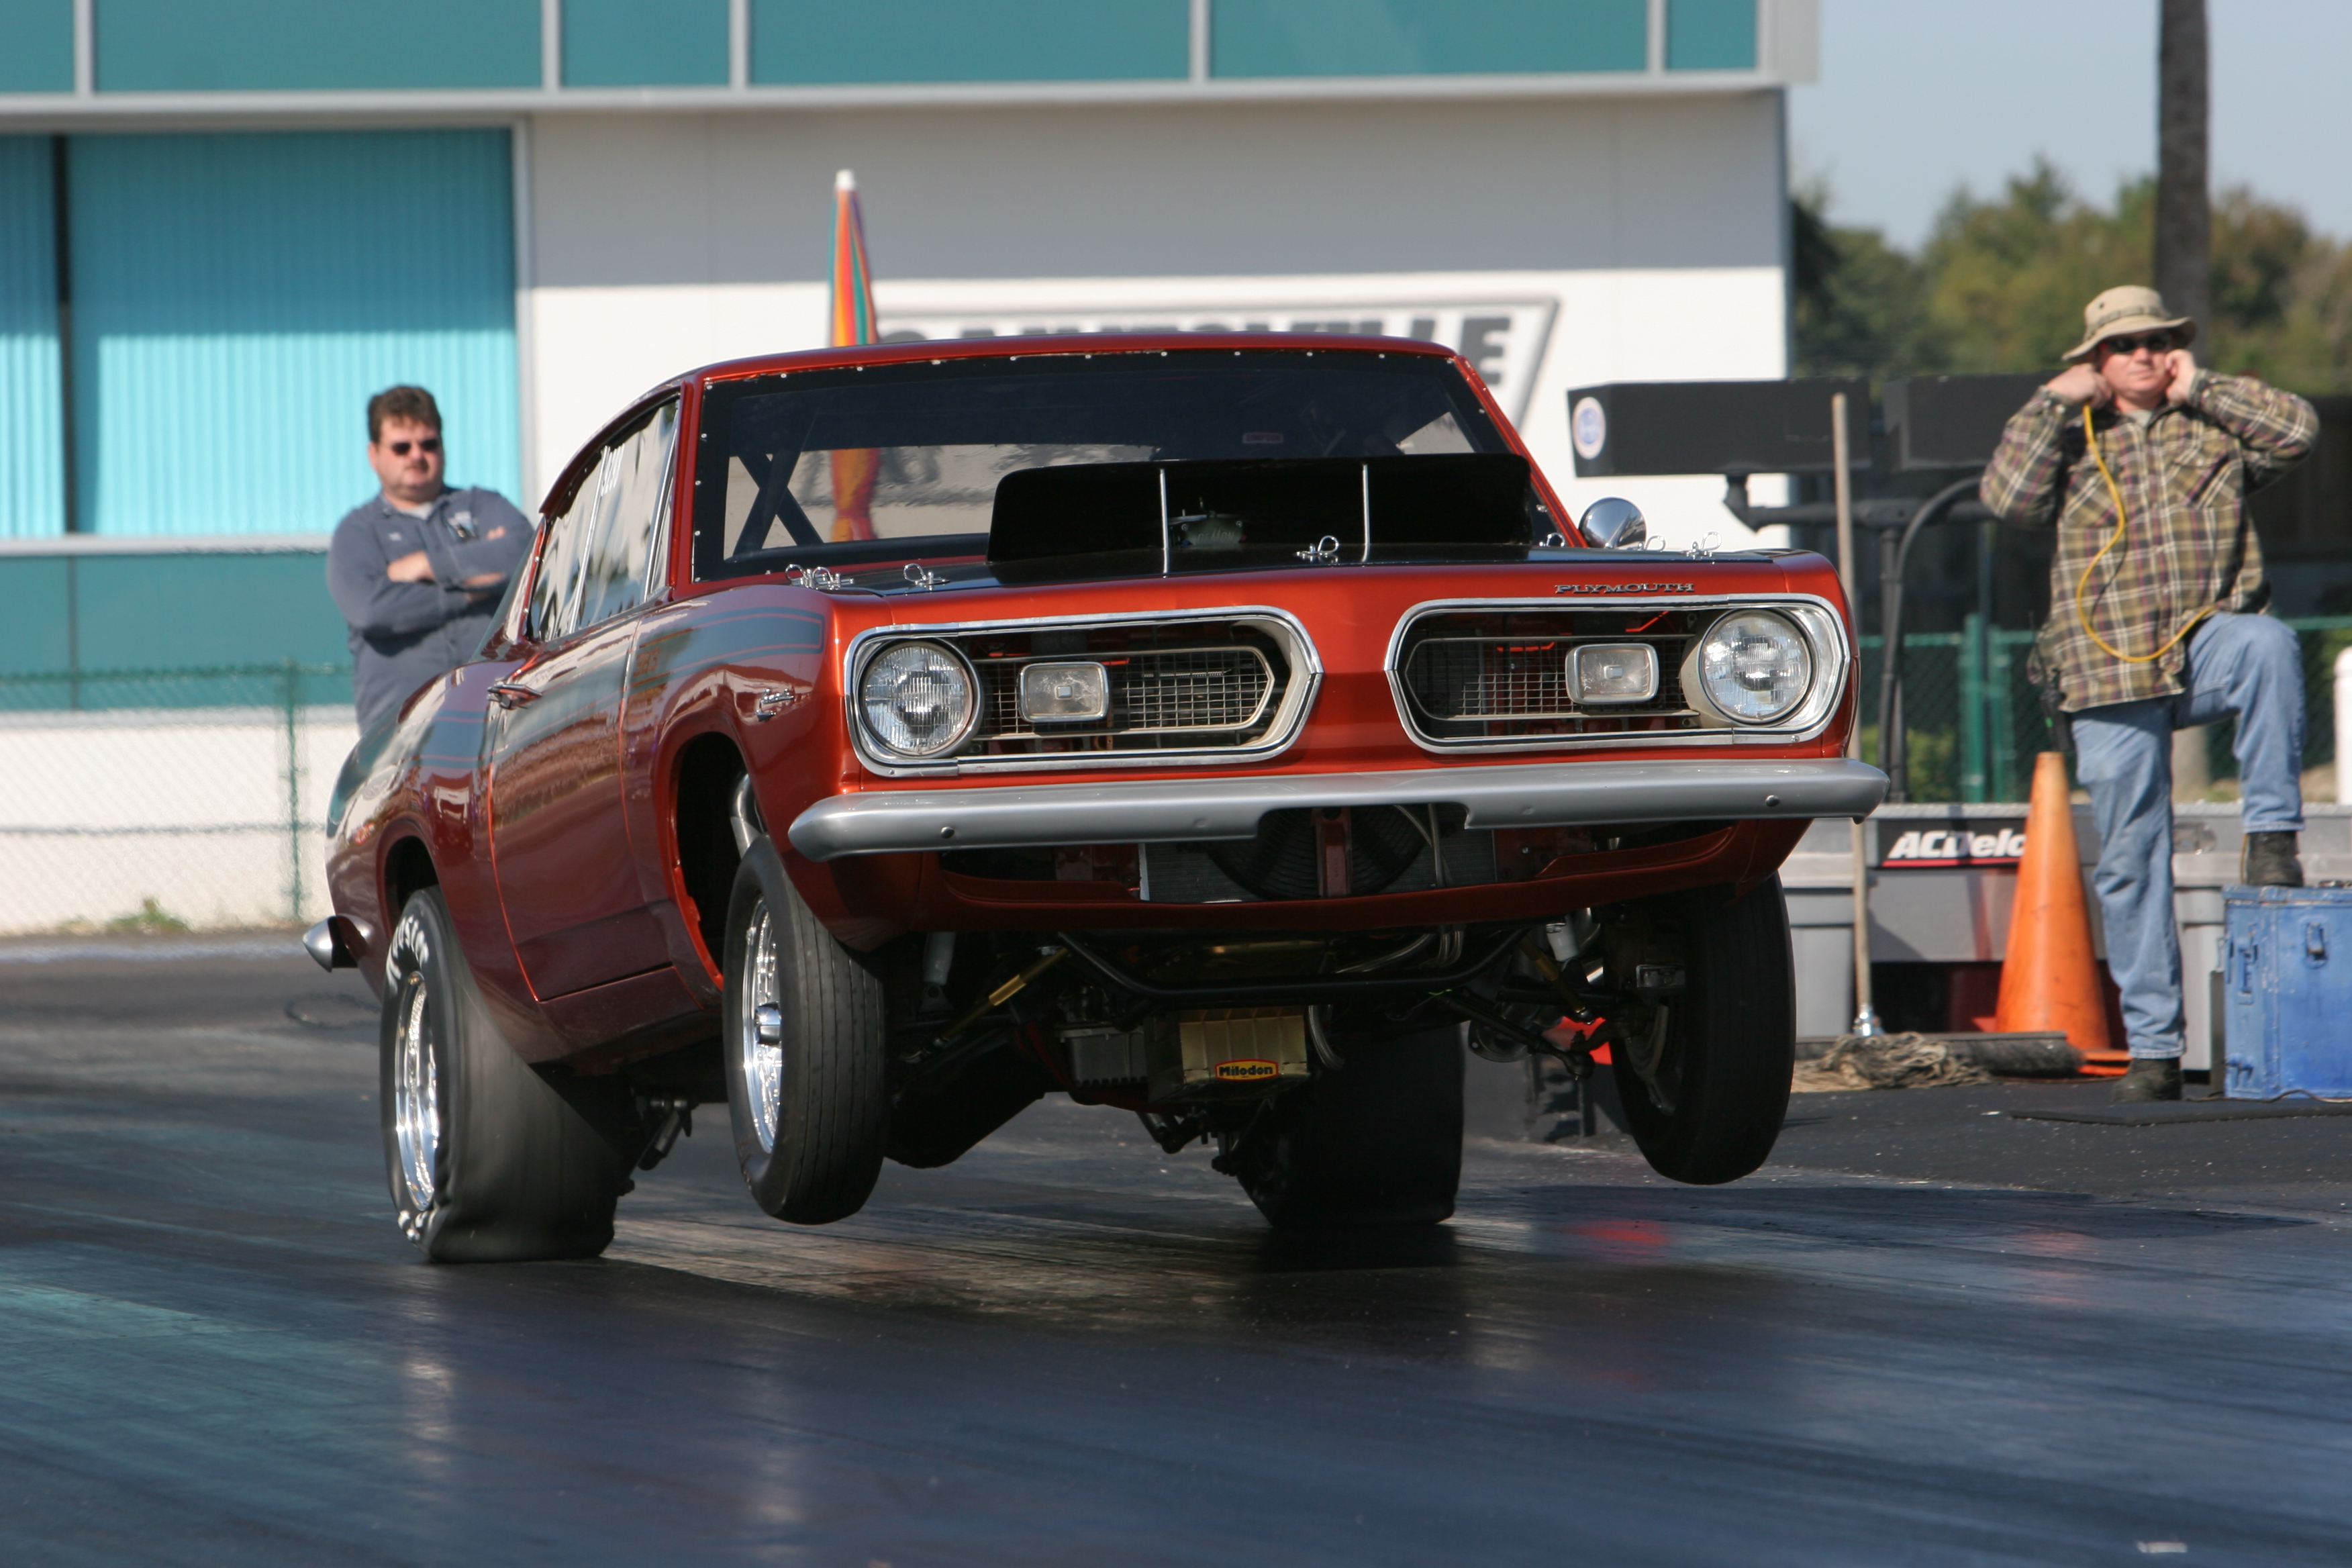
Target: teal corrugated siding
(1710, 34)
(32, 466)
(239, 296)
(644, 43)
(814, 41)
(1434, 38)
(36, 46)
(263, 45)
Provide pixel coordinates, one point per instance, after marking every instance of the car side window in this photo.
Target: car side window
(631, 503)
(554, 590)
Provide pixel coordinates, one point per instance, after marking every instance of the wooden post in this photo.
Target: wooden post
(1866, 1016)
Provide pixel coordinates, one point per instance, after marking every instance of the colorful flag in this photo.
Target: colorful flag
(853, 323)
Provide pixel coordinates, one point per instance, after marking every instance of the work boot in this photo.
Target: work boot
(2271, 861)
(2151, 1078)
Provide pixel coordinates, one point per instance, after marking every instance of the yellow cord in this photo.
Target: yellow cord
(2091, 435)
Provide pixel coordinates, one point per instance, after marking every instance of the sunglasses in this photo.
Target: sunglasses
(401, 448)
(2154, 342)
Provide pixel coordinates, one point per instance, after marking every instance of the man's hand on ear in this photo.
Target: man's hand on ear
(2078, 384)
(2184, 376)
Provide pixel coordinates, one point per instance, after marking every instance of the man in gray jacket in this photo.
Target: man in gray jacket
(419, 571)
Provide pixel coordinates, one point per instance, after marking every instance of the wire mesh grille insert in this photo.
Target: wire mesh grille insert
(1472, 676)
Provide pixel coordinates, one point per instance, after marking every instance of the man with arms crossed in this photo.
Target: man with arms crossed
(2143, 461)
(419, 571)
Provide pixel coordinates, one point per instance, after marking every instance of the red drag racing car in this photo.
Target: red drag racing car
(1228, 730)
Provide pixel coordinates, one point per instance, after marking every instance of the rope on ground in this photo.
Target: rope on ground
(1886, 1061)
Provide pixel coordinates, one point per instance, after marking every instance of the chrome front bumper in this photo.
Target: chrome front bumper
(1159, 811)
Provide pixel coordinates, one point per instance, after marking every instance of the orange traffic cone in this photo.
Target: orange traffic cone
(2049, 979)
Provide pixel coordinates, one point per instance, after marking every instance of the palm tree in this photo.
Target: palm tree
(2184, 240)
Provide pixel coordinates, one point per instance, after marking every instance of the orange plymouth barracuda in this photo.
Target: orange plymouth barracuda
(1227, 730)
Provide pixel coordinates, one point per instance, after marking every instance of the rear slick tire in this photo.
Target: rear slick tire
(1731, 1038)
(811, 1111)
(1378, 1142)
(487, 1163)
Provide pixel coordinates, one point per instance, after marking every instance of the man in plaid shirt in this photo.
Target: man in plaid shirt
(2156, 619)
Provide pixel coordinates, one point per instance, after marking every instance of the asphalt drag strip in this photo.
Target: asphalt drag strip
(1932, 1332)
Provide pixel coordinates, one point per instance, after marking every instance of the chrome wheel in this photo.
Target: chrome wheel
(757, 1032)
(416, 1095)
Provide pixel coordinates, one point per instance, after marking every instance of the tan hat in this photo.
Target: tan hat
(2125, 312)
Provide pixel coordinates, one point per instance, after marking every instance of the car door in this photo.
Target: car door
(574, 900)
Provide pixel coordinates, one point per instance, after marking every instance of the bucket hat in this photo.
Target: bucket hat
(2125, 312)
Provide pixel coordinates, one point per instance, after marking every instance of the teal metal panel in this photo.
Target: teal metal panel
(239, 296)
(176, 629)
(806, 42)
(37, 55)
(1425, 37)
(644, 43)
(264, 46)
(193, 609)
(1710, 34)
(32, 433)
(35, 625)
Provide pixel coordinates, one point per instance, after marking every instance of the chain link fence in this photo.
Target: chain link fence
(165, 799)
(1972, 722)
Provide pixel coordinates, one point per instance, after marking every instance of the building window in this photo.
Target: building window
(1710, 34)
(803, 43)
(644, 43)
(36, 46)
(271, 46)
(1426, 37)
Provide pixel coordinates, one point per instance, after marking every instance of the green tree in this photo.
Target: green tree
(2002, 282)
(1860, 303)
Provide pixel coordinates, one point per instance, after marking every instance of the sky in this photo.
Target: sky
(1918, 98)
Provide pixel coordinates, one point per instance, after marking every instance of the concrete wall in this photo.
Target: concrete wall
(1624, 238)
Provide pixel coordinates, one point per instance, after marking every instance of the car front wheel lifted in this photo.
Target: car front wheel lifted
(1703, 1061)
(803, 1039)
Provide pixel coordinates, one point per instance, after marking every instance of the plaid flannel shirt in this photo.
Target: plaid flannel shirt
(2189, 544)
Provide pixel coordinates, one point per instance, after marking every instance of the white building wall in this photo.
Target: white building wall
(1624, 238)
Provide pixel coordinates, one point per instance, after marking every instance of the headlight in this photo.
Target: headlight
(1065, 694)
(1754, 666)
(1603, 673)
(916, 698)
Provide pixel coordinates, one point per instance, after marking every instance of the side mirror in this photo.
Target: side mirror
(1614, 523)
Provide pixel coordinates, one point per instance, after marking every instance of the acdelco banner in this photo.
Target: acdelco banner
(1968, 844)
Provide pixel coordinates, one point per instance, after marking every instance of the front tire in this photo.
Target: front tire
(487, 1163)
(1378, 1142)
(1710, 1106)
(811, 1109)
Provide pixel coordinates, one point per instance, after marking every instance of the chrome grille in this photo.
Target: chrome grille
(1194, 685)
(1474, 676)
(1179, 691)
(1460, 679)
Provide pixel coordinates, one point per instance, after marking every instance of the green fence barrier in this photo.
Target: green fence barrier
(1972, 722)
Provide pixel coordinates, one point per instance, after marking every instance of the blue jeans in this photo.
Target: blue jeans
(2246, 665)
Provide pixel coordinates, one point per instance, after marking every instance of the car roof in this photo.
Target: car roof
(935, 349)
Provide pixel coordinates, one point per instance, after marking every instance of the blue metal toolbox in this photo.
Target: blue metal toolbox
(2287, 983)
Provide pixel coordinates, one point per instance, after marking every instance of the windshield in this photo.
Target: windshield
(818, 465)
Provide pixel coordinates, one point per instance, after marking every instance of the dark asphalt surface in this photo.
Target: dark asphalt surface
(1925, 1334)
